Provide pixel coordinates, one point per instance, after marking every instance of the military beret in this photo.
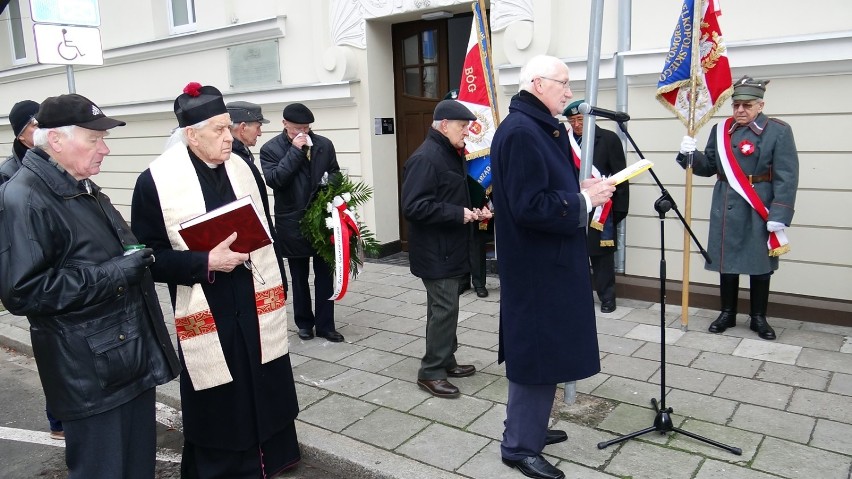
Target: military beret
(298, 114)
(452, 110)
(747, 88)
(572, 109)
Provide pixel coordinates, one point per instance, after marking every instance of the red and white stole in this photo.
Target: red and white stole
(777, 243)
(599, 213)
(181, 199)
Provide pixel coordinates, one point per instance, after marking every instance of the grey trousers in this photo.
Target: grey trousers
(527, 415)
(442, 319)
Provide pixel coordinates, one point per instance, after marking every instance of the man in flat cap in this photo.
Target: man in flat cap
(547, 317)
(756, 165)
(246, 123)
(97, 329)
(294, 164)
(237, 392)
(602, 239)
(22, 121)
(436, 204)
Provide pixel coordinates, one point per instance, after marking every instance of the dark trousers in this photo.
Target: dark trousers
(55, 424)
(478, 242)
(121, 442)
(603, 276)
(527, 416)
(323, 319)
(442, 319)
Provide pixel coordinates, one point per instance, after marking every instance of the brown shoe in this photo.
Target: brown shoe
(58, 435)
(461, 371)
(439, 388)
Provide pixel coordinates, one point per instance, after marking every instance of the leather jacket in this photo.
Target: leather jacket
(99, 340)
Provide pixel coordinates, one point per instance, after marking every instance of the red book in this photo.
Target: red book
(204, 232)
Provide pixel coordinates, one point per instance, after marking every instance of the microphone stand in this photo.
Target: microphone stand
(663, 421)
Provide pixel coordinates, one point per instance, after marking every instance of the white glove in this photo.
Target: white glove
(687, 145)
(774, 226)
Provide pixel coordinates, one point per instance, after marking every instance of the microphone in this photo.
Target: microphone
(618, 116)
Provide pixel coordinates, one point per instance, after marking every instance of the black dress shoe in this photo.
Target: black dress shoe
(332, 336)
(461, 371)
(481, 291)
(463, 288)
(554, 436)
(439, 388)
(608, 306)
(726, 319)
(535, 466)
(306, 334)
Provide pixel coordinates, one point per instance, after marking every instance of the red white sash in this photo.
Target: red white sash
(777, 243)
(344, 226)
(600, 213)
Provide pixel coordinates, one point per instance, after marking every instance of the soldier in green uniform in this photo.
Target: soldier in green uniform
(756, 164)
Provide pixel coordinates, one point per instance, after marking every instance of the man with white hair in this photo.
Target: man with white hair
(69, 262)
(238, 397)
(547, 317)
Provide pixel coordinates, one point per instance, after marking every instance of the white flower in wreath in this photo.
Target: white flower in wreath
(329, 207)
(329, 223)
(347, 197)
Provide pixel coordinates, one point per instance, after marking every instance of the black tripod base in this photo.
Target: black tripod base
(663, 424)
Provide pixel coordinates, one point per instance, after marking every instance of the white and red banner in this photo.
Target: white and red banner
(344, 227)
(713, 72)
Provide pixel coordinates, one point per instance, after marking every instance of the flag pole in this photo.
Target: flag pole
(693, 88)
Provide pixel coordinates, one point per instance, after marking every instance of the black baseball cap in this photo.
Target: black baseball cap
(73, 109)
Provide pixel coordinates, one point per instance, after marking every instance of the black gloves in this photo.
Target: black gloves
(133, 265)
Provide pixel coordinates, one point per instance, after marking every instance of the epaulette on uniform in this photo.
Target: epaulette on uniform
(781, 122)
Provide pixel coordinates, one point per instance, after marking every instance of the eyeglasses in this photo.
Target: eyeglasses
(744, 105)
(254, 272)
(563, 82)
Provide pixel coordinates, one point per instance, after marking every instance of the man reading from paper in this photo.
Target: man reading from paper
(237, 392)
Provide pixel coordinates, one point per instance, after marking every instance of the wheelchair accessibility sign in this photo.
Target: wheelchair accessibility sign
(68, 45)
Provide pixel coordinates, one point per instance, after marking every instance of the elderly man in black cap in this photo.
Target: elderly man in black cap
(97, 329)
(237, 393)
(246, 123)
(294, 164)
(22, 121)
(436, 204)
(602, 239)
(756, 164)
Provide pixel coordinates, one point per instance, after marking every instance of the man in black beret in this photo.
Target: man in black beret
(436, 204)
(237, 392)
(294, 163)
(602, 238)
(22, 120)
(756, 165)
(97, 328)
(246, 122)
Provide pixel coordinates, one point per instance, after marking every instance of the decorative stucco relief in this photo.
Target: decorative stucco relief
(505, 12)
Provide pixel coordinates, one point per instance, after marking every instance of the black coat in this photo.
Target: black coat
(98, 341)
(261, 399)
(294, 180)
(547, 316)
(609, 159)
(434, 196)
(13, 162)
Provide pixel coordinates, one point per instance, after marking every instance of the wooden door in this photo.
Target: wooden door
(421, 80)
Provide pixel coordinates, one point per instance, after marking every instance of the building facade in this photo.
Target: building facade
(372, 70)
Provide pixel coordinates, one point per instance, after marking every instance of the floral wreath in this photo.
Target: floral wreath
(339, 191)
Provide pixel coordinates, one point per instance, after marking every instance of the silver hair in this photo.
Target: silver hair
(178, 135)
(436, 125)
(538, 66)
(40, 135)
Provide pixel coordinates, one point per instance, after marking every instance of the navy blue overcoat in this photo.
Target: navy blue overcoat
(547, 317)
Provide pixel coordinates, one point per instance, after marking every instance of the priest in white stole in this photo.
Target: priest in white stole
(237, 392)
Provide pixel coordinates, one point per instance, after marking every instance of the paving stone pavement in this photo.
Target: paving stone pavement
(785, 403)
